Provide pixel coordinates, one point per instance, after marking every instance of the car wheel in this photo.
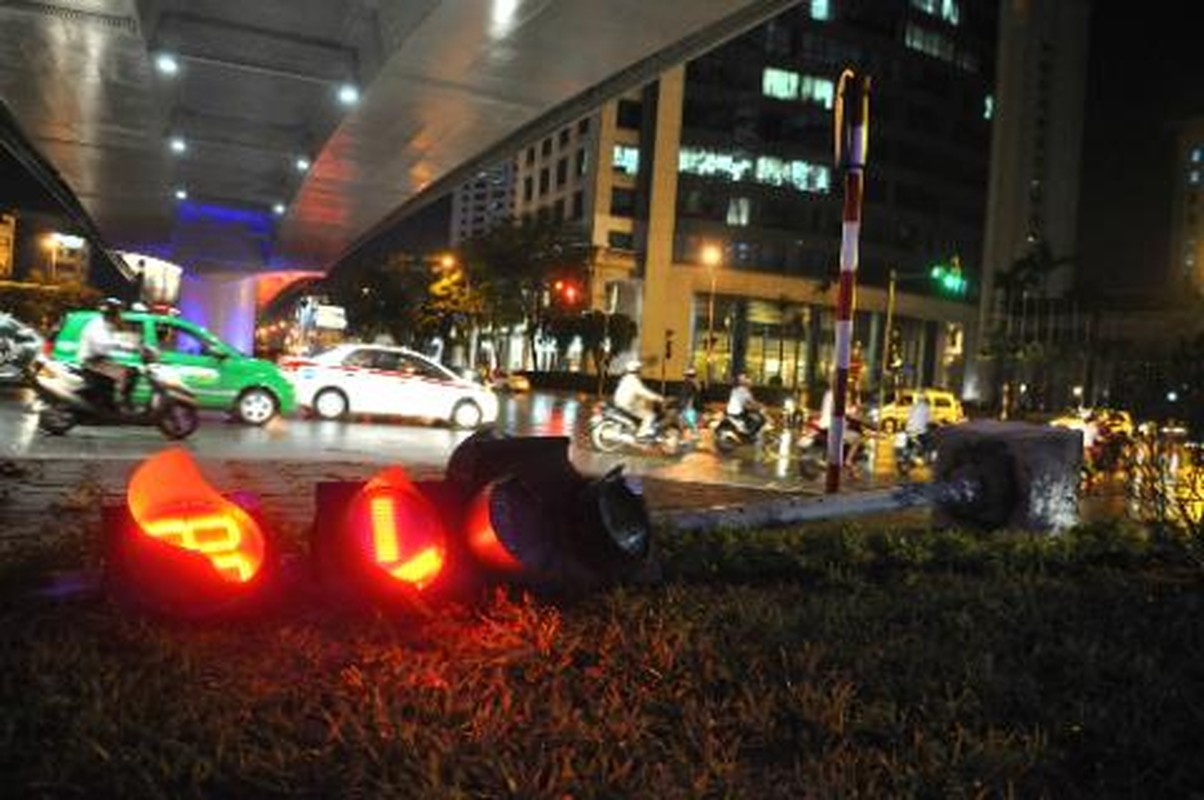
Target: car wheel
(466, 415)
(178, 421)
(331, 404)
(256, 406)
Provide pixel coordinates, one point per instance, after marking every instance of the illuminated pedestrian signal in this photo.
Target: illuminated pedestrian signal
(387, 541)
(181, 547)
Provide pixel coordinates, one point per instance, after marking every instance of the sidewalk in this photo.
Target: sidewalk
(43, 498)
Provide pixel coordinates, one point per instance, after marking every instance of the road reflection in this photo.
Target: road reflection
(388, 441)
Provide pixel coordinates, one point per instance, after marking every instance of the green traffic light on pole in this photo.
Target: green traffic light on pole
(949, 277)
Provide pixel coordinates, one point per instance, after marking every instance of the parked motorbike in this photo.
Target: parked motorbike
(612, 429)
(68, 399)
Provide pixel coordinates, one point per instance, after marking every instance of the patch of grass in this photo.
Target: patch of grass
(836, 661)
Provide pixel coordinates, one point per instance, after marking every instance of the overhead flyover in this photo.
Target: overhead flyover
(262, 134)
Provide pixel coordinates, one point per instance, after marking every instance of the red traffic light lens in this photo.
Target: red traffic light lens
(171, 503)
(398, 530)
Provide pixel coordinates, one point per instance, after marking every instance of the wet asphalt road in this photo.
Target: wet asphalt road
(301, 439)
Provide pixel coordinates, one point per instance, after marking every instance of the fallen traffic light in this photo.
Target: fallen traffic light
(535, 520)
(383, 541)
(179, 547)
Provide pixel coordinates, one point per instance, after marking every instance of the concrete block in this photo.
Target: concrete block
(1027, 475)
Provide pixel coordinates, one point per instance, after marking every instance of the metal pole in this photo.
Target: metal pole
(711, 329)
(885, 357)
(852, 144)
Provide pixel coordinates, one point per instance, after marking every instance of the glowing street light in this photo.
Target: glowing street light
(167, 64)
(181, 194)
(349, 94)
(177, 144)
(278, 209)
(302, 164)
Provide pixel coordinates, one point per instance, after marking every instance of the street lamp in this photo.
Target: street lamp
(712, 256)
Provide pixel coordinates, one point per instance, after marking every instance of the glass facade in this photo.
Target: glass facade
(755, 175)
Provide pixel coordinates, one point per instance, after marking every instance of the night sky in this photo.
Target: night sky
(1145, 73)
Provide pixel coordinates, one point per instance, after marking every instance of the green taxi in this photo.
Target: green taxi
(251, 389)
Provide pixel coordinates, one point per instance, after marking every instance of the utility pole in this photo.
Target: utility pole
(852, 145)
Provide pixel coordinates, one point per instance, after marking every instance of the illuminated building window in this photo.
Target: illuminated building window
(1197, 155)
(709, 163)
(947, 10)
(780, 83)
(817, 90)
(626, 159)
(988, 107)
(738, 211)
(1194, 177)
(928, 42)
(821, 10)
(768, 170)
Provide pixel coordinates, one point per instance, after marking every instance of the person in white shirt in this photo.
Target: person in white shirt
(919, 416)
(743, 407)
(98, 343)
(632, 396)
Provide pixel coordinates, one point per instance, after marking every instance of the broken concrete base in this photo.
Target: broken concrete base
(1027, 475)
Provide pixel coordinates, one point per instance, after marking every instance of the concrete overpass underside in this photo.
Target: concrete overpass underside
(264, 134)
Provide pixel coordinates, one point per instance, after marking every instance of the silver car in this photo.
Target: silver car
(19, 343)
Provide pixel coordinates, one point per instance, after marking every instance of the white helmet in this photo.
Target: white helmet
(633, 365)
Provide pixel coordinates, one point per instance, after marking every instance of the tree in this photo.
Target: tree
(384, 298)
(1007, 343)
(513, 265)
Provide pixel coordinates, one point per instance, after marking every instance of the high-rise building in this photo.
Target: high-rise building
(1036, 154)
(483, 202)
(8, 244)
(1187, 222)
(731, 155)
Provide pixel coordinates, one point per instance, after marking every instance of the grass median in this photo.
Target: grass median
(831, 661)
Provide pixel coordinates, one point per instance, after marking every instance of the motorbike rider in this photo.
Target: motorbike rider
(636, 399)
(919, 420)
(743, 408)
(854, 428)
(687, 398)
(98, 343)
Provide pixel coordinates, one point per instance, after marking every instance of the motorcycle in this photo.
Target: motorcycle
(68, 399)
(731, 432)
(612, 429)
(911, 452)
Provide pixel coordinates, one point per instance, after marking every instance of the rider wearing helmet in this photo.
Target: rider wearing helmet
(98, 343)
(633, 397)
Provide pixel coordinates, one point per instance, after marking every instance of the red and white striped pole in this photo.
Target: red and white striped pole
(851, 128)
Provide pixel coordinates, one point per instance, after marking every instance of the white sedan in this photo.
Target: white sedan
(393, 381)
